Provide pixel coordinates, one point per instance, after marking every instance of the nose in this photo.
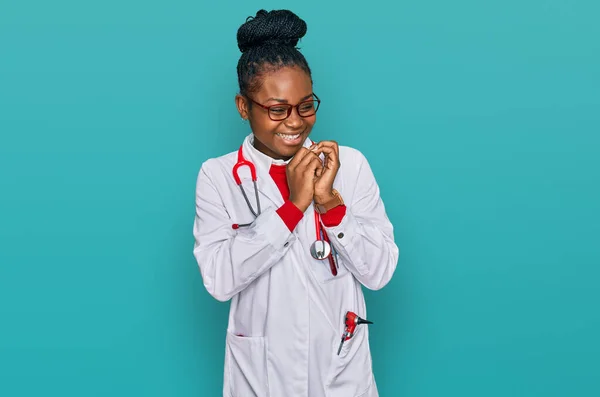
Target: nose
(294, 121)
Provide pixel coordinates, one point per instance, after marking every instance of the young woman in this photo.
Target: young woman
(292, 247)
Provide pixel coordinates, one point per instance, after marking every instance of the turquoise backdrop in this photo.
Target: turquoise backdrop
(481, 121)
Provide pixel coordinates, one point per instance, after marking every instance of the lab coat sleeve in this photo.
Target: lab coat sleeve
(364, 239)
(229, 259)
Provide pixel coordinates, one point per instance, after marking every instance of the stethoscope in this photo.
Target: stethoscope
(321, 249)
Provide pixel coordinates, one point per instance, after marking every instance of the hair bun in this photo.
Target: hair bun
(277, 27)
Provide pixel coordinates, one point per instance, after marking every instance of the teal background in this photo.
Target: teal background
(481, 123)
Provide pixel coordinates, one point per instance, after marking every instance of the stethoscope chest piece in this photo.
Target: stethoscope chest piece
(320, 249)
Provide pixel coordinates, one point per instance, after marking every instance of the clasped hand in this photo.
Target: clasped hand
(309, 178)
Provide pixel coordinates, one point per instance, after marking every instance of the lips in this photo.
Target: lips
(291, 139)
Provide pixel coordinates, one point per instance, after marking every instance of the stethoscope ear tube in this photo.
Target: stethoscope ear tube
(256, 214)
(236, 226)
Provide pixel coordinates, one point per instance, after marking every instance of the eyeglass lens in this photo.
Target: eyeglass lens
(305, 109)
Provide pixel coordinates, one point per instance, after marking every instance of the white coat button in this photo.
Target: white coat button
(286, 244)
(341, 235)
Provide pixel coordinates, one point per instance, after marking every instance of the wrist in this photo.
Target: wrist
(301, 206)
(324, 203)
(325, 197)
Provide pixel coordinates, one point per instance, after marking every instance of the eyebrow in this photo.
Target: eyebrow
(286, 101)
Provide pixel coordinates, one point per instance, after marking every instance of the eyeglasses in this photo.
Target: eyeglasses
(282, 111)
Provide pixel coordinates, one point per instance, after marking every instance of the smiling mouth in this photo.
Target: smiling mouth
(289, 137)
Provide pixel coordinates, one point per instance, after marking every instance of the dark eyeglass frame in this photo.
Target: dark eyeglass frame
(290, 107)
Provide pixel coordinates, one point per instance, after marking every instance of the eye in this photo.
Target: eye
(278, 110)
(307, 106)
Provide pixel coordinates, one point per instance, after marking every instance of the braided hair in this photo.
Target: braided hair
(268, 42)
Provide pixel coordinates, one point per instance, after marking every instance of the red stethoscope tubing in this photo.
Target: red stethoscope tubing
(241, 161)
(321, 234)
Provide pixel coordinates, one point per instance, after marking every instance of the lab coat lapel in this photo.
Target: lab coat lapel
(267, 189)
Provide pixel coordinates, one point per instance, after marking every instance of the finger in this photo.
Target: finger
(308, 158)
(331, 156)
(314, 149)
(297, 159)
(314, 165)
(324, 145)
(316, 162)
(331, 144)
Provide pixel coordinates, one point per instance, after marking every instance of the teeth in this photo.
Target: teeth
(289, 137)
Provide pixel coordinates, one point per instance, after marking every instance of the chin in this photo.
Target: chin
(288, 152)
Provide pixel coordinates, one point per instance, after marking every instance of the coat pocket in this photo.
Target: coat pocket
(351, 372)
(247, 366)
(357, 339)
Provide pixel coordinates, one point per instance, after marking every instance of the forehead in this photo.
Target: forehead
(288, 83)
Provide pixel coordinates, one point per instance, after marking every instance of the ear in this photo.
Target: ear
(242, 106)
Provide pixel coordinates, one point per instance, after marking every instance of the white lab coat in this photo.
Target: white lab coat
(287, 310)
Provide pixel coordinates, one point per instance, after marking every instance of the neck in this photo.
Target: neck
(265, 150)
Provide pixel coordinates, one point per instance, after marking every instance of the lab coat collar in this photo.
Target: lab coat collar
(262, 162)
